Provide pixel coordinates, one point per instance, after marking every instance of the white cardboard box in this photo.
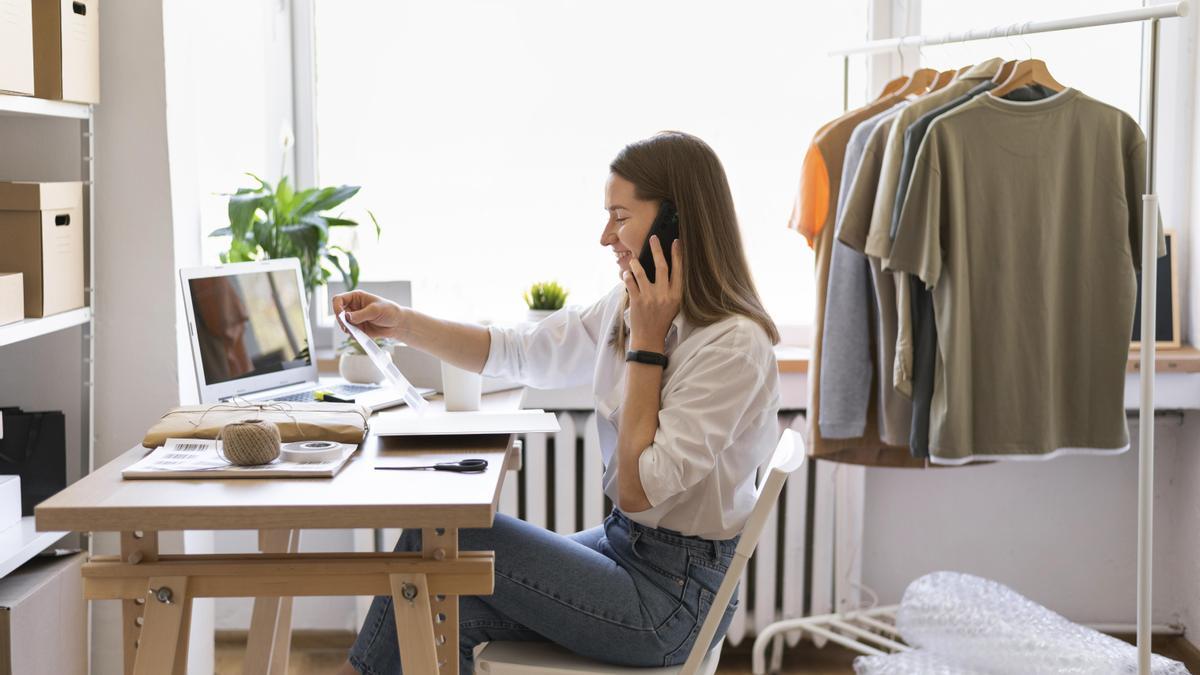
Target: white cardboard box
(16, 46)
(43, 618)
(41, 225)
(12, 298)
(66, 50)
(10, 501)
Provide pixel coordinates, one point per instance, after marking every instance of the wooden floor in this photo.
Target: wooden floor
(321, 653)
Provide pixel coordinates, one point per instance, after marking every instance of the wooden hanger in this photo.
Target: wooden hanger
(1006, 69)
(1031, 71)
(919, 82)
(892, 87)
(943, 78)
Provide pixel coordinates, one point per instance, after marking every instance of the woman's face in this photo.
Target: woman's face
(629, 220)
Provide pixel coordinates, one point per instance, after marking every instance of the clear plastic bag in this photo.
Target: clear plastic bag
(981, 626)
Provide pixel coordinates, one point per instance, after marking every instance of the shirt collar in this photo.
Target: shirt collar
(981, 71)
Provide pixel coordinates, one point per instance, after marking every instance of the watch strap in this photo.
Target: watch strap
(643, 356)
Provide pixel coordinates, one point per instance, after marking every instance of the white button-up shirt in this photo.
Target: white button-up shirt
(718, 407)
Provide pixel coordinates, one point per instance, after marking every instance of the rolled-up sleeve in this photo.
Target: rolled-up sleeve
(721, 394)
(558, 351)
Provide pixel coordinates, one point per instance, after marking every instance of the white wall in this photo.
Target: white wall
(1062, 532)
(136, 356)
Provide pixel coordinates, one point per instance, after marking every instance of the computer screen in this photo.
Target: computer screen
(249, 324)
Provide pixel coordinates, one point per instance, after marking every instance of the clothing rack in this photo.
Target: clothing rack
(851, 629)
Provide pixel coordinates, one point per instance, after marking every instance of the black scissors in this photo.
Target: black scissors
(461, 466)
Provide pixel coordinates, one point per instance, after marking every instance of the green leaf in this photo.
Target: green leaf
(310, 220)
(328, 198)
(340, 222)
(283, 196)
(354, 270)
(338, 264)
(352, 280)
(262, 184)
(221, 232)
(242, 208)
(376, 223)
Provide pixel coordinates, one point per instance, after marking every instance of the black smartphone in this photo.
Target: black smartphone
(666, 226)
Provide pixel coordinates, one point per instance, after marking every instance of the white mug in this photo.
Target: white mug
(461, 389)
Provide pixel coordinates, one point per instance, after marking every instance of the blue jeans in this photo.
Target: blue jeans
(621, 593)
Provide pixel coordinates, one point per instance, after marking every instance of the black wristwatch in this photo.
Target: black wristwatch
(653, 358)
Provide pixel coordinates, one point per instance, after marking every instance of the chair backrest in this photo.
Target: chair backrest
(788, 457)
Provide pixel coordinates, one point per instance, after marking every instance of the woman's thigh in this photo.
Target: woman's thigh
(578, 591)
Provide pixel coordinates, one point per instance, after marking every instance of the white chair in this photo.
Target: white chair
(544, 658)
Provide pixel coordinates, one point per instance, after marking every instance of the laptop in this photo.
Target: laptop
(249, 328)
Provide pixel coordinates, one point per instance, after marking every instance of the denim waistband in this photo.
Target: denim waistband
(724, 546)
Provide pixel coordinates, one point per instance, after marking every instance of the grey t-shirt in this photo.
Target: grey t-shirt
(894, 412)
(1025, 219)
(847, 367)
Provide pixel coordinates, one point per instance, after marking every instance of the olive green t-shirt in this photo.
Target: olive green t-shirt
(1024, 219)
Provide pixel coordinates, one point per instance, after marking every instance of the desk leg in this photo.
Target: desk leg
(181, 650)
(442, 544)
(414, 623)
(135, 547)
(166, 602)
(270, 636)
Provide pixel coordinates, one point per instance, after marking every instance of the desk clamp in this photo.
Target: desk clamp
(163, 594)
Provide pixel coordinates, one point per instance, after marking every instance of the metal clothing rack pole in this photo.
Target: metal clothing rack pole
(1145, 536)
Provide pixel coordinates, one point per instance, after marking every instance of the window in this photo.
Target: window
(482, 131)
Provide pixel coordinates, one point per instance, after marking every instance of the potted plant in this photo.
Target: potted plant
(355, 366)
(275, 221)
(544, 298)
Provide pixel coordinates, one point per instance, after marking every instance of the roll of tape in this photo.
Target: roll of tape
(311, 451)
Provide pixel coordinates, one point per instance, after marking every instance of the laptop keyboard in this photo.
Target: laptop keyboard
(341, 391)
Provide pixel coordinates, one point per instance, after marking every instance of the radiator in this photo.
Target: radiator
(795, 570)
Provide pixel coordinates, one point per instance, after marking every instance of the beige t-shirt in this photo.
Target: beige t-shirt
(1024, 218)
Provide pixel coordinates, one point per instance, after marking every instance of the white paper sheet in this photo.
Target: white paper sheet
(441, 423)
(198, 458)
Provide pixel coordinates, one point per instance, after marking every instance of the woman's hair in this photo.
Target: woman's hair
(679, 167)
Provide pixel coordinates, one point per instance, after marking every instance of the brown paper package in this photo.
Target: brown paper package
(340, 422)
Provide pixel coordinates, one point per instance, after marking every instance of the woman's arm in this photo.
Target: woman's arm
(639, 423)
(558, 351)
(461, 344)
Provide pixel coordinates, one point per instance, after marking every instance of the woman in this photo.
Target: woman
(680, 445)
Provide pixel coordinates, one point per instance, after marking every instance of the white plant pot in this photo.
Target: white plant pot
(359, 369)
(536, 315)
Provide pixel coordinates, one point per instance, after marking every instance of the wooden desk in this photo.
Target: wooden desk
(157, 590)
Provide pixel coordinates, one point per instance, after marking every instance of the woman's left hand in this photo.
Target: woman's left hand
(653, 306)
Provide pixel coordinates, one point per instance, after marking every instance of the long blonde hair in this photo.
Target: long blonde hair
(717, 283)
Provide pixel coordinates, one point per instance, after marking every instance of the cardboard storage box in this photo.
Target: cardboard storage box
(10, 501)
(16, 46)
(41, 225)
(12, 297)
(43, 618)
(66, 50)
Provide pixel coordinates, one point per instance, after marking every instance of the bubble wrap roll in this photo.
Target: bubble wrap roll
(916, 662)
(973, 625)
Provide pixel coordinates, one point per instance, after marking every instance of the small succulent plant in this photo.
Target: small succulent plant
(546, 295)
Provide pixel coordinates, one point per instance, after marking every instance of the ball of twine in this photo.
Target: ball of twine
(250, 442)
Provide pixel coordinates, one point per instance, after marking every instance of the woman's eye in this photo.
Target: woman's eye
(621, 220)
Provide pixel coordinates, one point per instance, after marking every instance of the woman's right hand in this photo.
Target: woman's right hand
(373, 315)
